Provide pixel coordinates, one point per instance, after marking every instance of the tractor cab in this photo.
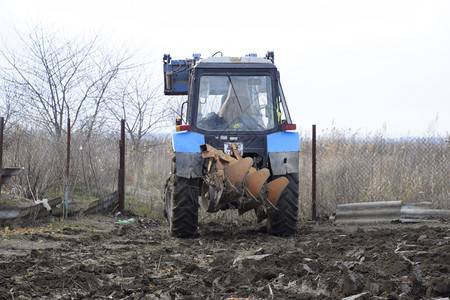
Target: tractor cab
(229, 94)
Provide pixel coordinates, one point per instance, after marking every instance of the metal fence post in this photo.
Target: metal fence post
(66, 199)
(313, 179)
(2, 123)
(121, 181)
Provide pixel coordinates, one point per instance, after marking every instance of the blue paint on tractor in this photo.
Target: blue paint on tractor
(283, 142)
(188, 142)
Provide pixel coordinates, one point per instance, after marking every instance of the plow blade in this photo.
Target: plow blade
(237, 170)
(255, 182)
(234, 180)
(275, 188)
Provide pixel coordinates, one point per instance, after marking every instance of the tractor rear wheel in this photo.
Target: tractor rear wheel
(181, 207)
(284, 221)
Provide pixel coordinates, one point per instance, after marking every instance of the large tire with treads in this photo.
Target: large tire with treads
(283, 222)
(181, 207)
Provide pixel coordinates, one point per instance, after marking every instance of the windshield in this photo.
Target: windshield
(235, 103)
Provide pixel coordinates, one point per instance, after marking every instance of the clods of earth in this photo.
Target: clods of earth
(98, 258)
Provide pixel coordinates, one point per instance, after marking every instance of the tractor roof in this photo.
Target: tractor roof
(230, 59)
(235, 62)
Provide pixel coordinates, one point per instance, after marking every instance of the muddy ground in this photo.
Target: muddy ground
(96, 258)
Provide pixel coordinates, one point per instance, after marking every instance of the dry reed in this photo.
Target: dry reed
(360, 168)
(352, 168)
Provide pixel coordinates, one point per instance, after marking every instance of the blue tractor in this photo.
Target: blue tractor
(235, 145)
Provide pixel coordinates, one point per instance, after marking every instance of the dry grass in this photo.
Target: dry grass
(349, 169)
(145, 177)
(375, 168)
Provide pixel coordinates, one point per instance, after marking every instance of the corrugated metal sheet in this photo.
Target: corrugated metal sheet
(413, 212)
(368, 212)
(387, 211)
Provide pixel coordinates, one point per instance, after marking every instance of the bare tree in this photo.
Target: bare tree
(10, 102)
(61, 78)
(45, 79)
(141, 105)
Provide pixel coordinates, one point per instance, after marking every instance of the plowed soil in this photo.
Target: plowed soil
(96, 258)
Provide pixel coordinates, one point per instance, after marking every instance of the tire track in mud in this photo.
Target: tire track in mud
(141, 261)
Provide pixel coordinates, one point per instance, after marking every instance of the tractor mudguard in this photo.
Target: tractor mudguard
(283, 149)
(187, 153)
(282, 163)
(189, 165)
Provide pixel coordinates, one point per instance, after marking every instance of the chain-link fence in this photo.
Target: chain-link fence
(93, 170)
(350, 168)
(374, 168)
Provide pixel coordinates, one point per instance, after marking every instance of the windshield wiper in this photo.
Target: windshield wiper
(237, 98)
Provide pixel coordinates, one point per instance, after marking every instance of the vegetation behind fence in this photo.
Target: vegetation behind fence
(349, 169)
(375, 168)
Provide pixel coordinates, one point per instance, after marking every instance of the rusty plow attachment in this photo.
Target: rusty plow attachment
(233, 181)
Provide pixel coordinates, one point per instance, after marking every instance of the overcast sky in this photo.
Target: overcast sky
(358, 65)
